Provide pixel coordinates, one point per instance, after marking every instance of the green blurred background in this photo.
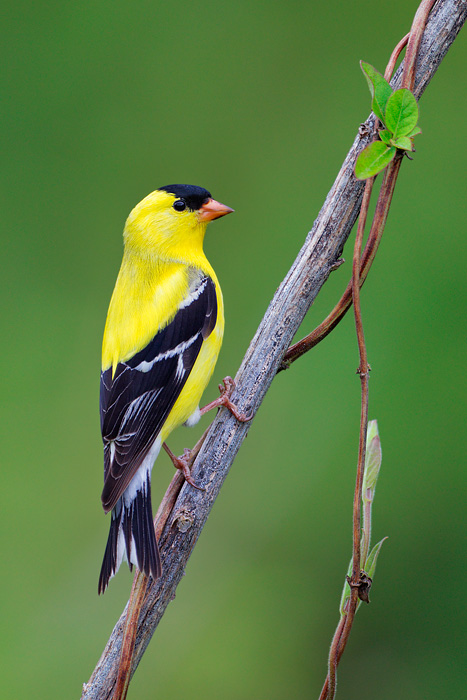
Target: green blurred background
(259, 102)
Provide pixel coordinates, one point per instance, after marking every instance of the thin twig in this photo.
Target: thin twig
(334, 657)
(342, 632)
(138, 591)
(140, 581)
(415, 39)
(337, 314)
(363, 371)
(340, 638)
(394, 56)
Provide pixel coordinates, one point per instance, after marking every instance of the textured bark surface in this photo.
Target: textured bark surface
(286, 311)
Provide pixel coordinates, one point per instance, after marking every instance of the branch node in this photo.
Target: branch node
(338, 263)
(364, 130)
(183, 520)
(363, 371)
(363, 586)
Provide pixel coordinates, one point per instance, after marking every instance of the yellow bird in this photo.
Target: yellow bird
(162, 338)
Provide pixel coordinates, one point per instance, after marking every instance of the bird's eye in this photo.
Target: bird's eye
(179, 205)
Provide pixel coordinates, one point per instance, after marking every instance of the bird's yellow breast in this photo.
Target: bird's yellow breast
(145, 299)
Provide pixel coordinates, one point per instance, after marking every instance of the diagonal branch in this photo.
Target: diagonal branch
(286, 311)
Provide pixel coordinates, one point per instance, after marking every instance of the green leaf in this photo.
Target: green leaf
(345, 591)
(401, 114)
(385, 136)
(370, 564)
(372, 460)
(403, 142)
(373, 159)
(372, 431)
(379, 88)
(414, 132)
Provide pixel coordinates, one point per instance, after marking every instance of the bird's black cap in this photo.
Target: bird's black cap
(193, 195)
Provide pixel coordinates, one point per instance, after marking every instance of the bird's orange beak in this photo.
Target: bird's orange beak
(213, 210)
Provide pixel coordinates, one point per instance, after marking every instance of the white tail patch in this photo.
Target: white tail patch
(138, 482)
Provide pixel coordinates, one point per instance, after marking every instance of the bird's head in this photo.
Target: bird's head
(171, 222)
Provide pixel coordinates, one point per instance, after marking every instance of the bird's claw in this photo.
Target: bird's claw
(184, 464)
(226, 389)
(187, 473)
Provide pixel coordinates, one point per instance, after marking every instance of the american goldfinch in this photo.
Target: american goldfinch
(162, 337)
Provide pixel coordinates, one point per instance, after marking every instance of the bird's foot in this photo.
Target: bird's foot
(184, 463)
(224, 400)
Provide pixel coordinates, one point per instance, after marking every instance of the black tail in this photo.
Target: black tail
(132, 529)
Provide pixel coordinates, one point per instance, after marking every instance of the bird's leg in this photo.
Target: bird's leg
(185, 462)
(224, 400)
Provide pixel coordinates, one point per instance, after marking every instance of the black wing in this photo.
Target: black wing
(135, 403)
